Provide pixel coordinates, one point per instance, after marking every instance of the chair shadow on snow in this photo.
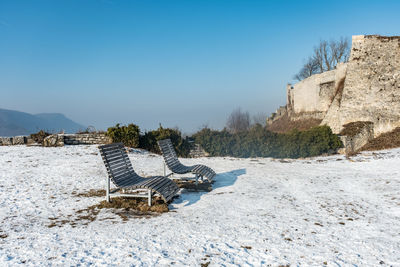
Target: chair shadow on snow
(220, 180)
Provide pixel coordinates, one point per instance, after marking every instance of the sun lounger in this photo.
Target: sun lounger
(121, 173)
(172, 161)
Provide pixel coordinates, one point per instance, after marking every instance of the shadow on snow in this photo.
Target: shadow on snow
(220, 180)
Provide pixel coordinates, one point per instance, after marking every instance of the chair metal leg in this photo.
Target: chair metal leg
(108, 190)
(149, 198)
(197, 180)
(165, 171)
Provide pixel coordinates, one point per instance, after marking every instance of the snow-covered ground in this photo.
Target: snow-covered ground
(325, 210)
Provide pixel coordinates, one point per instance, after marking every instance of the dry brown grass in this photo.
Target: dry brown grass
(157, 205)
(123, 207)
(353, 128)
(190, 185)
(91, 193)
(384, 141)
(284, 124)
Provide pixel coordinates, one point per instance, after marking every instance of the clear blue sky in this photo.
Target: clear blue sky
(181, 63)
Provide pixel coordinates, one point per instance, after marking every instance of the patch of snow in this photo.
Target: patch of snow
(261, 211)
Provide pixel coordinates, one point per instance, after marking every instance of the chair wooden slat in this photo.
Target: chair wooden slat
(173, 163)
(121, 173)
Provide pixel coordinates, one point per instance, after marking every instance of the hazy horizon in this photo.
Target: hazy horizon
(178, 63)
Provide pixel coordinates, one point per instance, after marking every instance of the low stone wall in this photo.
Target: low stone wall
(86, 139)
(59, 140)
(16, 140)
(197, 151)
(54, 140)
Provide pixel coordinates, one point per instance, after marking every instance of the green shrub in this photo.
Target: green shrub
(259, 142)
(129, 135)
(313, 142)
(149, 140)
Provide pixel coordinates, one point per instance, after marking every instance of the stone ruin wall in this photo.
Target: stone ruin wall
(372, 86)
(367, 88)
(59, 139)
(313, 96)
(86, 139)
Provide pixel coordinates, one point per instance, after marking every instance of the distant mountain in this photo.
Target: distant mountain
(20, 123)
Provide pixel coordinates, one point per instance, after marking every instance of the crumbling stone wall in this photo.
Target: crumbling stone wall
(54, 140)
(86, 139)
(59, 139)
(367, 88)
(197, 151)
(315, 94)
(279, 113)
(372, 86)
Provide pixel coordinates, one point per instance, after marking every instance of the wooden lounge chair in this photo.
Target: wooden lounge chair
(171, 160)
(120, 171)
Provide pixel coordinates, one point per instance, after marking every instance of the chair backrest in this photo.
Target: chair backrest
(118, 165)
(168, 152)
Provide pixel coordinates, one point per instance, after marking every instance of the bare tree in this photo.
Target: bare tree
(325, 57)
(340, 50)
(238, 121)
(309, 68)
(260, 118)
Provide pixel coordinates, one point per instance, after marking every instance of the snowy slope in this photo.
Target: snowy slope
(261, 211)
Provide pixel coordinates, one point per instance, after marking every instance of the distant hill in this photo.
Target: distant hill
(20, 123)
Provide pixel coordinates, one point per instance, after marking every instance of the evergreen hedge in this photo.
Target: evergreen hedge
(259, 142)
(256, 142)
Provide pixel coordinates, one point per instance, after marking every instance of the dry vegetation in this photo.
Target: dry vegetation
(354, 128)
(284, 124)
(91, 193)
(123, 207)
(384, 141)
(39, 136)
(190, 185)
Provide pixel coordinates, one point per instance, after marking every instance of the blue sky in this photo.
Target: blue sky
(179, 63)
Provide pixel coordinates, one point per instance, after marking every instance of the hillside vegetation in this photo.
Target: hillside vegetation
(284, 124)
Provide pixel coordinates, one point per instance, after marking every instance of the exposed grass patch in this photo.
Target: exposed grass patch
(91, 193)
(157, 205)
(190, 185)
(124, 208)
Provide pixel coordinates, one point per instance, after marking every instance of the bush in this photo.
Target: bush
(149, 140)
(314, 142)
(259, 142)
(39, 136)
(128, 135)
